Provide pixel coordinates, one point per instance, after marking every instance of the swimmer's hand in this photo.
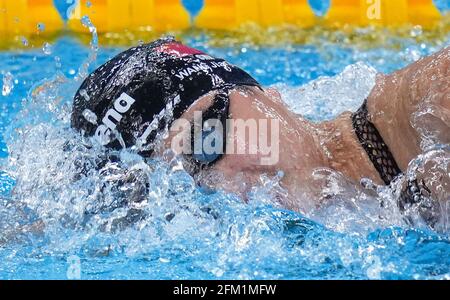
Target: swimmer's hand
(426, 189)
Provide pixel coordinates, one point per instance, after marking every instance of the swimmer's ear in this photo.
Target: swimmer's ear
(274, 94)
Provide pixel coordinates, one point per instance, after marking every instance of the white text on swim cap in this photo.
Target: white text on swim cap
(113, 117)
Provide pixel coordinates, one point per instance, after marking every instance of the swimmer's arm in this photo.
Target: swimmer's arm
(413, 104)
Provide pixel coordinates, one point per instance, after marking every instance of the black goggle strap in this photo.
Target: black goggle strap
(219, 110)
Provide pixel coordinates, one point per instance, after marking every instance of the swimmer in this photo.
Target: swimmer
(162, 96)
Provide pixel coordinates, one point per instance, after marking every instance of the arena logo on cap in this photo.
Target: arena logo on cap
(113, 117)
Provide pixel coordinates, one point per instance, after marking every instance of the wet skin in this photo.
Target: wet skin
(402, 106)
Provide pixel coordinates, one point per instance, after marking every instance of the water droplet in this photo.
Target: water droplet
(47, 48)
(375, 267)
(8, 84)
(164, 260)
(416, 31)
(24, 41)
(71, 8)
(85, 95)
(90, 116)
(58, 62)
(93, 30)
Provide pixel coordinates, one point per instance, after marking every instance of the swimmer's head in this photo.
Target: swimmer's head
(132, 98)
(136, 100)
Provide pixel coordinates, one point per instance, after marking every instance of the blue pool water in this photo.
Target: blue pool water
(207, 236)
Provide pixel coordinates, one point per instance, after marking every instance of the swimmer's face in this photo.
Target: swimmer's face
(263, 137)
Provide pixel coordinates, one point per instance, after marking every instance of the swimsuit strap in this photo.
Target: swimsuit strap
(374, 145)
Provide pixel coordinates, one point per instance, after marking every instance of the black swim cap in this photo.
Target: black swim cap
(132, 97)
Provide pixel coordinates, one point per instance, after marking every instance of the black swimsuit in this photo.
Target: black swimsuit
(416, 193)
(376, 148)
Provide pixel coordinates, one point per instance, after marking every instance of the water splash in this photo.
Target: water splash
(131, 209)
(83, 71)
(156, 223)
(8, 84)
(346, 92)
